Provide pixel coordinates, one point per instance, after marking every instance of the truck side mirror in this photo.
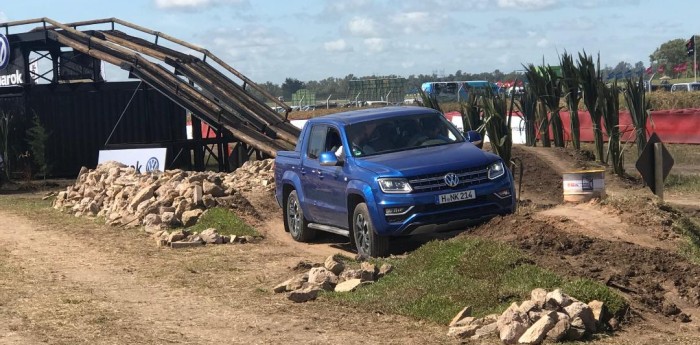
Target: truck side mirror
(328, 159)
(475, 138)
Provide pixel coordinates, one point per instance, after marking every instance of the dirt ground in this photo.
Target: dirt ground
(75, 281)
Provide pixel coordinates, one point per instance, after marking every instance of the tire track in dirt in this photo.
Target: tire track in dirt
(144, 310)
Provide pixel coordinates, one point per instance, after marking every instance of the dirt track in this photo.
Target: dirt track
(65, 285)
(72, 281)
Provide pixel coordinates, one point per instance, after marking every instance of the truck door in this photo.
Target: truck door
(309, 176)
(329, 182)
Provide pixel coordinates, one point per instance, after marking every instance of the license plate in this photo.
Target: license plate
(456, 196)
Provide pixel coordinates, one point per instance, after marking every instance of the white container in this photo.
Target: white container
(582, 186)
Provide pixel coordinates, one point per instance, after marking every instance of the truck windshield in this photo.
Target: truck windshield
(400, 133)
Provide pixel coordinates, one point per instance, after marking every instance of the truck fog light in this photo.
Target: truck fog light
(503, 193)
(397, 211)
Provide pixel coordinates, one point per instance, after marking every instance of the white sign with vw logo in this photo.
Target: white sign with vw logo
(4, 52)
(143, 160)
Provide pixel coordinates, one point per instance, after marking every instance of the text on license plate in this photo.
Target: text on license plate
(457, 196)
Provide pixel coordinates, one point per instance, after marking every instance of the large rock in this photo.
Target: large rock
(349, 274)
(334, 266)
(368, 271)
(212, 189)
(462, 332)
(510, 333)
(581, 316)
(539, 296)
(536, 333)
(189, 218)
(322, 277)
(512, 315)
(348, 285)
(143, 195)
(465, 312)
(559, 331)
(600, 313)
(210, 236)
(485, 331)
(556, 299)
(305, 294)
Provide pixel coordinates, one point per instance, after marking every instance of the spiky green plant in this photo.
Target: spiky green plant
(37, 138)
(572, 93)
(537, 83)
(551, 98)
(496, 124)
(609, 105)
(589, 78)
(471, 112)
(527, 106)
(430, 101)
(639, 108)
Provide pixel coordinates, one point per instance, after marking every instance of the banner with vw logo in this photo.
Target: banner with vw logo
(143, 160)
(4, 52)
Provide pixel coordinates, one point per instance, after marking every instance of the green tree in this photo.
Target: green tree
(290, 86)
(670, 54)
(37, 137)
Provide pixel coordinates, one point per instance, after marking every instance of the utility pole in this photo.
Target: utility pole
(695, 61)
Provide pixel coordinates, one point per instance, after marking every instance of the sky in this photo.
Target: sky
(270, 40)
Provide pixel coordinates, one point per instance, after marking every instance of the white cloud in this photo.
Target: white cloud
(362, 27)
(527, 4)
(3, 17)
(374, 44)
(346, 6)
(543, 43)
(408, 64)
(499, 44)
(194, 4)
(338, 45)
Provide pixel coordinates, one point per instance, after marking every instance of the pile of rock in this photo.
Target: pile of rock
(160, 200)
(553, 316)
(331, 276)
(186, 239)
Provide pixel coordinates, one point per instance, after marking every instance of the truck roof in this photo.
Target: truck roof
(363, 115)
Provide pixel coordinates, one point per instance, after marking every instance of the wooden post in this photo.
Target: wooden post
(658, 171)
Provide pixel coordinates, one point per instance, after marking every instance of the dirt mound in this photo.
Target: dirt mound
(646, 275)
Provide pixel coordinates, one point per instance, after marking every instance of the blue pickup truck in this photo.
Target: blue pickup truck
(395, 171)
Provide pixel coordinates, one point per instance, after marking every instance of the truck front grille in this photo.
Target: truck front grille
(436, 182)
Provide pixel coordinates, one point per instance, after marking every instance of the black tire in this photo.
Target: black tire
(294, 221)
(367, 242)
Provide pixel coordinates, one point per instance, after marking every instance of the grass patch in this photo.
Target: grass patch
(691, 230)
(683, 183)
(440, 278)
(225, 222)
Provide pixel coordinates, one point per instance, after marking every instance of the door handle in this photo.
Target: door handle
(303, 171)
(320, 174)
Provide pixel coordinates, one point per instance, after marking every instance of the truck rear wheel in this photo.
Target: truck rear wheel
(294, 220)
(367, 241)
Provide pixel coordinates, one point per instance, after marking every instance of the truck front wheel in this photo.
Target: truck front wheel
(367, 241)
(294, 220)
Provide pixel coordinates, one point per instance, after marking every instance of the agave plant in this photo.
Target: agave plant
(589, 79)
(471, 112)
(430, 101)
(609, 105)
(527, 106)
(572, 93)
(537, 84)
(496, 124)
(639, 108)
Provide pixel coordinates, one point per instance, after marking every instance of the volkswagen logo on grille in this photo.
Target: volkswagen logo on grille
(451, 180)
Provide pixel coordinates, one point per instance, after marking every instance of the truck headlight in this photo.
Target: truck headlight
(394, 185)
(496, 170)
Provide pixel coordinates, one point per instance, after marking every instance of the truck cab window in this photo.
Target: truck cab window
(317, 141)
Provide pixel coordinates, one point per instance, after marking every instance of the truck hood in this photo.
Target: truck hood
(427, 160)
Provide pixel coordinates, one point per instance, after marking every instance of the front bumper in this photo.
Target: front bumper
(426, 215)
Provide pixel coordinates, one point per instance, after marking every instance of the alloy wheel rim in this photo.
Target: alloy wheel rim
(293, 217)
(362, 233)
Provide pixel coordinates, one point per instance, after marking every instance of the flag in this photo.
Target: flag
(690, 46)
(648, 70)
